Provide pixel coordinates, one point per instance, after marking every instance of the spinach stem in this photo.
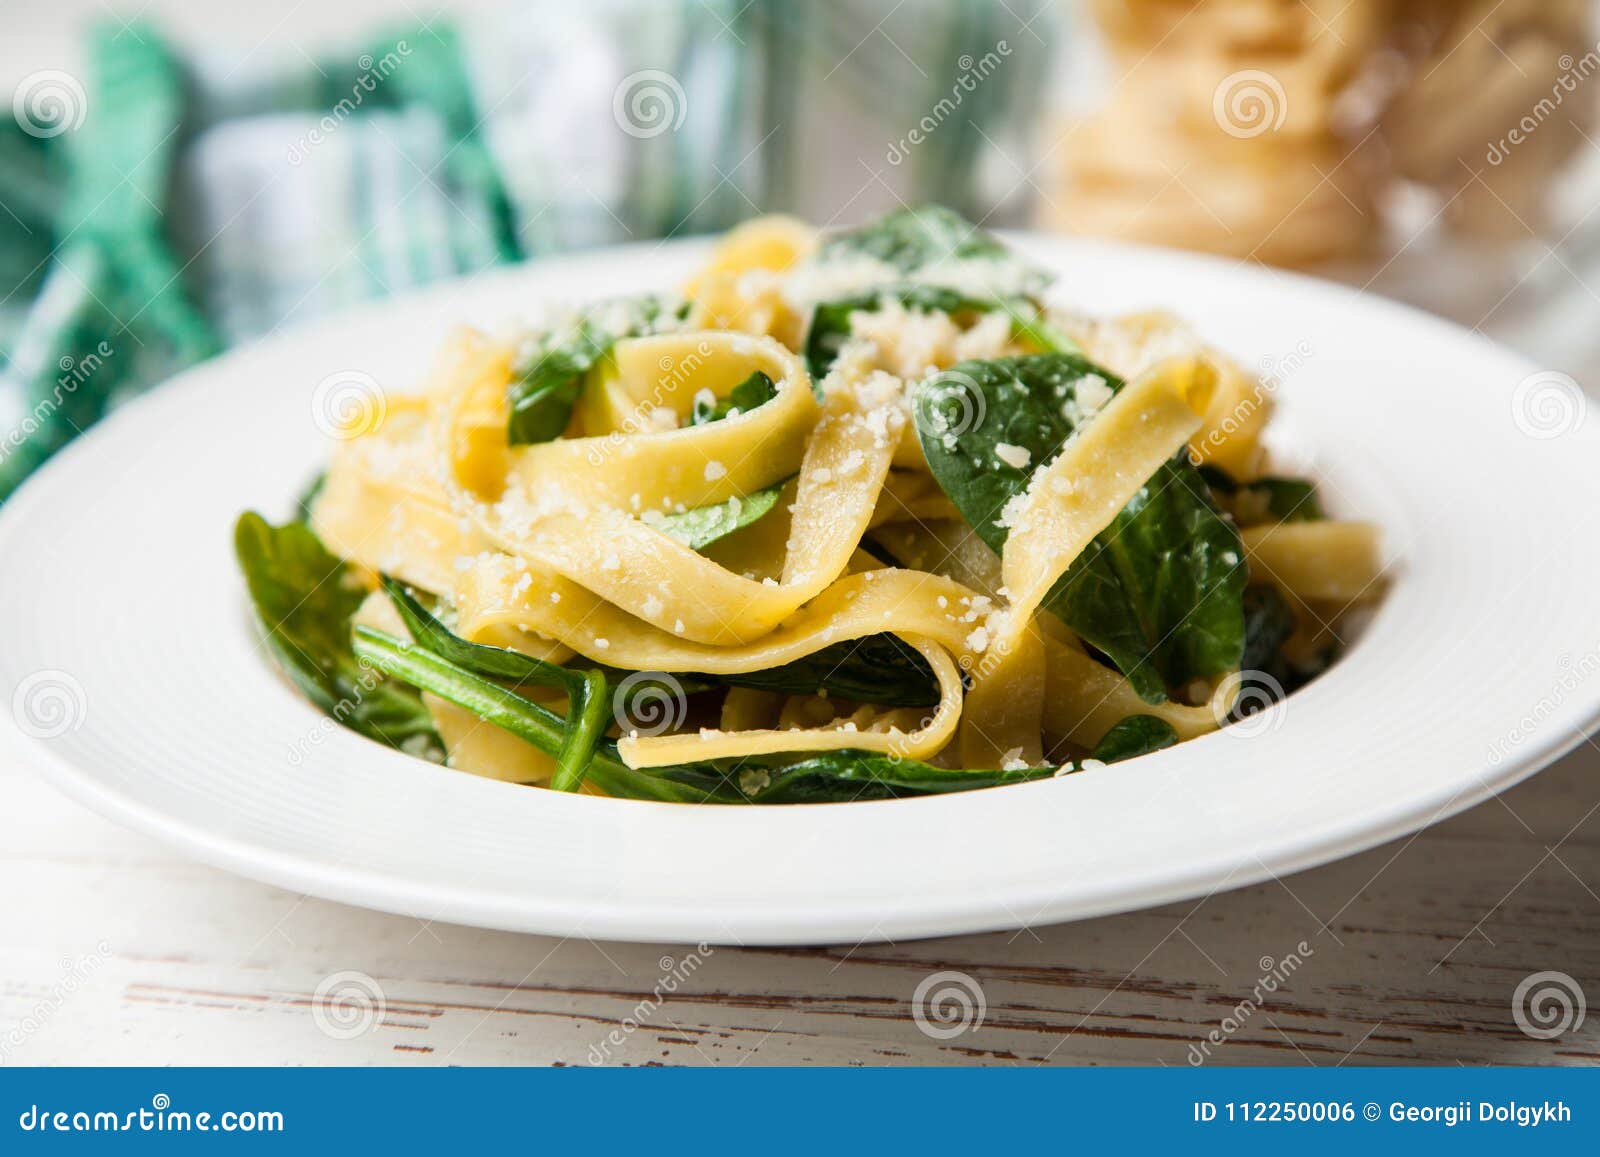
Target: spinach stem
(588, 706)
(586, 690)
(1042, 334)
(522, 717)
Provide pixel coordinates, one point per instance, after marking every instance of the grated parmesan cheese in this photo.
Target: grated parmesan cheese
(1016, 457)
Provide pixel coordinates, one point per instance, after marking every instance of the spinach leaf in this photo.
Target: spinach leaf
(830, 321)
(879, 669)
(304, 599)
(308, 496)
(841, 776)
(700, 527)
(1265, 674)
(495, 662)
(964, 413)
(588, 701)
(1035, 329)
(754, 391)
(1267, 670)
(547, 388)
(496, 704)
(934, 259)
(822, 777)
(882, 670)
(637, 696)
(1160, 590)
(910, 239)
(1269, 499)
(1134, 736)
(1268, 622)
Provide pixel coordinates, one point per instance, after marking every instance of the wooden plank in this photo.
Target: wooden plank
(118, 951)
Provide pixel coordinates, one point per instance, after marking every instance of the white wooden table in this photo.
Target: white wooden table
(115, 950)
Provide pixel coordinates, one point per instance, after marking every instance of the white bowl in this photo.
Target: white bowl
(137, 679)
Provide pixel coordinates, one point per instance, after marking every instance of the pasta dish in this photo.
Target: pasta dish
(854, 515)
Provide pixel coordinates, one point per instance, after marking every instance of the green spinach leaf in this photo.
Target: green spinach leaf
(830, 321)
(1268, 623)
(1134, 736)
(822, 777)
(841, 776)
(933, 259)
(1160, 590)
(308, 496)
(880, 669)
(1267, 671)
(700, 527)
(304, 599)
(1269, 499)
(756, 390)
(547, 388)
(495, 662)
(910, 239)
(496, 704)
(588, 700)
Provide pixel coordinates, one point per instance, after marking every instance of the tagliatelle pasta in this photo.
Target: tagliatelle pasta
(1331, 561)
(1280, 130)
(860, 516)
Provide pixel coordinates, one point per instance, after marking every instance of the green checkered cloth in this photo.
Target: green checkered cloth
(160, 211)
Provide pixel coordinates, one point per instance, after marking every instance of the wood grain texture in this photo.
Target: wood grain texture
(114, 950)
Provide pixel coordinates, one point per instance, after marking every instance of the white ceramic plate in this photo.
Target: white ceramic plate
(135, 677)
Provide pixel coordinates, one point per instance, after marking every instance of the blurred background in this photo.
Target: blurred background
(179, 177)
